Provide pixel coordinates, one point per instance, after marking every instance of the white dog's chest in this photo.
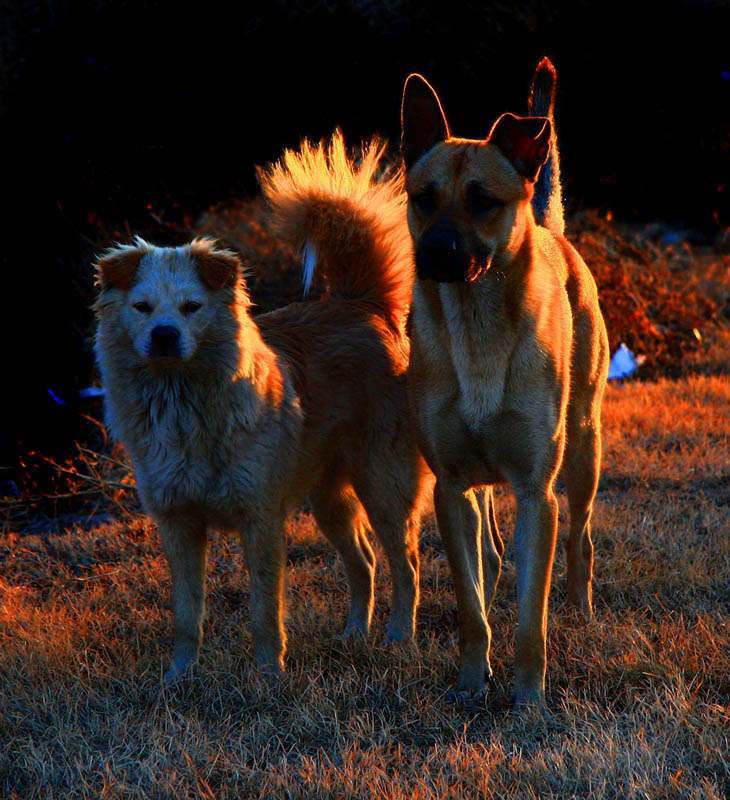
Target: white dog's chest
(185, 464)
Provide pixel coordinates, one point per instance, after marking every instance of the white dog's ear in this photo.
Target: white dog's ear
(218, 268)
(524, 140)
(423, 122)
(117, 267)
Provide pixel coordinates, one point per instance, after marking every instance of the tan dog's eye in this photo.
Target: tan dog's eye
(425, 202)
(142, 306)
(479, 201)
(190, 307)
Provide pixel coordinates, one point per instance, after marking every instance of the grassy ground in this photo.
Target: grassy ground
(639, 697)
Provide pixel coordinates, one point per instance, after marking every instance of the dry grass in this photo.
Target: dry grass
(639, 696)
(658, 299)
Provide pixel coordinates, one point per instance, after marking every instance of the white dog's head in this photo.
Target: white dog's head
(169, 301)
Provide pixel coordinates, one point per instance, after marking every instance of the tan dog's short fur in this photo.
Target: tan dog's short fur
(230, 421)
(509, 358)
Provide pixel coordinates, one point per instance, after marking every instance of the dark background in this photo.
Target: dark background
(115, 115)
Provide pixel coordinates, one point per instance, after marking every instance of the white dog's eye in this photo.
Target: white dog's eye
(142, 306)
(190, 307)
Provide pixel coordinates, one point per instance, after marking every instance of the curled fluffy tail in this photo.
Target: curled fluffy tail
(347, 216)
(547, 202)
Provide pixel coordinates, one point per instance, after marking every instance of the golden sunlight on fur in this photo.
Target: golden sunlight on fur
(508, 366)
(230, 421)
(366, 192)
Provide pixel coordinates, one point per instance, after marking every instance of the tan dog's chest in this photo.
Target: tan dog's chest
(478, 352)
(487, 392)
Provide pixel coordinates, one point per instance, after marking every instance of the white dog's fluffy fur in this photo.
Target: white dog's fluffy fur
(230, 421)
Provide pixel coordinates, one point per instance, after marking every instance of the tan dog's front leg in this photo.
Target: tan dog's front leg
(265, 553)
(459, 521)
(184, 539)
(535, 537)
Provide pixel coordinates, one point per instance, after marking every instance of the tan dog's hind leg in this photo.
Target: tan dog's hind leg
(460, 523)
(184, 539)
(342, 519)
(492, 545)
(580, 468)
(535, 537)
(264, 543)
(392, 503)
(400, 540)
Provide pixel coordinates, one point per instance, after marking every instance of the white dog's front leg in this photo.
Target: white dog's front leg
(264, 543)
(184, 539)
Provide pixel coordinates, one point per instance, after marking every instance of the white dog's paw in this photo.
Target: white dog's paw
(180, 669)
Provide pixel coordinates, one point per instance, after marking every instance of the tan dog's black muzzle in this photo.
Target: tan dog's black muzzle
(441, 255)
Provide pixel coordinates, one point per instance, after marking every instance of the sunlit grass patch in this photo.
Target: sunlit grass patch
(639, 696)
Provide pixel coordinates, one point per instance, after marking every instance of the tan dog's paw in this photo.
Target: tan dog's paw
(581, 599)
(402, 650)
(467, 698)
(472, 686)
(529, 703)
(270, 669)
(356, 628)
(398, 632)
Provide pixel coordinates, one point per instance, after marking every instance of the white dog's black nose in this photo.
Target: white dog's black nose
(165, 342)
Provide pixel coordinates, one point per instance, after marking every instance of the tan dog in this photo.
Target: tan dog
(230, 421)
(509, 358)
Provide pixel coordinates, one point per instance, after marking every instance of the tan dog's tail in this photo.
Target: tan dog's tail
(347, 216)
(547, 202)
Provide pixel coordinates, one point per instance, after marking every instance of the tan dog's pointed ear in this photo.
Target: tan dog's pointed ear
(218, 268)
(117, 267)
(422, 119)
(524, 140)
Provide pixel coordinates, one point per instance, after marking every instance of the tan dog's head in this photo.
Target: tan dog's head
(167, 301)
(467, 199)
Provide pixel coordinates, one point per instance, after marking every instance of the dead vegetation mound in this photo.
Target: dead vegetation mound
(661, 299)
